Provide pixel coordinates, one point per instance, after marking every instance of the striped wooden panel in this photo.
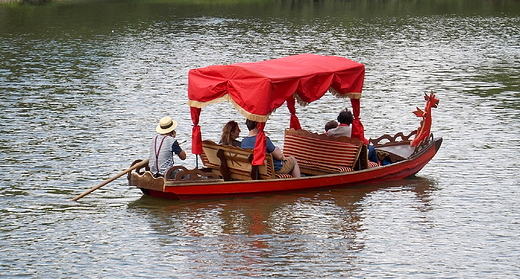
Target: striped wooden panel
(324, 167)
(283, 175)
(323, 151)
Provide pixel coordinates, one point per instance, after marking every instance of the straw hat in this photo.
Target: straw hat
(166, 125)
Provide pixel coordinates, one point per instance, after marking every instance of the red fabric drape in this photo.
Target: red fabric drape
(196, 136)
(260, 146)
(295, 122)
(358, 131)
(259, 88)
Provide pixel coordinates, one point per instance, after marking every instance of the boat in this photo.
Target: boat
(256, 89)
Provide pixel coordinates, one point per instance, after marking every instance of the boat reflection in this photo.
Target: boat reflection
(329, 213)
(245, 234)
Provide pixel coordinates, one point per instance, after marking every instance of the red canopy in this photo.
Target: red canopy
(257, 89)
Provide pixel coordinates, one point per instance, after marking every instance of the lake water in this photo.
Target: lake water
(83, 84)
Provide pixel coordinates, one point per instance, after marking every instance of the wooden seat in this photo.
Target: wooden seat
(209, 154)
(178, 174)
(320, 154)
(234, 163)
(396, 148)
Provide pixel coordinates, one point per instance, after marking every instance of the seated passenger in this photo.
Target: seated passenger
(164, 145)
(281, 163)
(230, 133)
(330, 125)
(345, 118)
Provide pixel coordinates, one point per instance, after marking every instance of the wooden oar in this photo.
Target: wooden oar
(140, 164)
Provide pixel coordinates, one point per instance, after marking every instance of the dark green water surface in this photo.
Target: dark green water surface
(83, 84)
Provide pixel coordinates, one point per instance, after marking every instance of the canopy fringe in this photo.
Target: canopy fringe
(350, 95)
(264, 118)
(333, 91)
(299, 99)
(197, 104)
(248, 115)
(227, 97)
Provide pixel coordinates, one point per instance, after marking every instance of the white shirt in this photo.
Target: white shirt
(341, 130)
(161, 154)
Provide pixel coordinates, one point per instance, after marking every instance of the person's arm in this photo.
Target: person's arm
(273, 150)
(277, 153)
(176, 148)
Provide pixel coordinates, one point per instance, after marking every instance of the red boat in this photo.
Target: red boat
(256, 90)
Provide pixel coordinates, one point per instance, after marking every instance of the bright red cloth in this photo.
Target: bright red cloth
(295, 122)
(260, 146)
(259, 88)
(358, 131)
(196, 136)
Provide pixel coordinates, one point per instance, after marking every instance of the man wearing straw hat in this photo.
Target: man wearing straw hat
(164, 145)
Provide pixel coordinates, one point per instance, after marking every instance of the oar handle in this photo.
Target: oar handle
(140, 164)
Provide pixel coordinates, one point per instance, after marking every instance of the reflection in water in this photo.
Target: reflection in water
(246, 231)
(83, 84)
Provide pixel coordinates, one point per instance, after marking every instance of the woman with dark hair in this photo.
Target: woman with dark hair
(230, 133)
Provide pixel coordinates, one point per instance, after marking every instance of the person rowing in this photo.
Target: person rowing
(164, 145)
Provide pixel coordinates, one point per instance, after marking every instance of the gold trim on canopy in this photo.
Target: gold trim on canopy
(350, 95)
(227, 97)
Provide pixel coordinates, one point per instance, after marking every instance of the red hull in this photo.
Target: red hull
(390, 172)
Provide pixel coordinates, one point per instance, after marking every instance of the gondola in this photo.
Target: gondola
(256, 89)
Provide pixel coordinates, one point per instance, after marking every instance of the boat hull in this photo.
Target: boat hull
(390, 172)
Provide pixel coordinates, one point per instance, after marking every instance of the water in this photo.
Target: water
(83, 84)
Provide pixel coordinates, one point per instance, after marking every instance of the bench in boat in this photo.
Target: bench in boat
(142, 177)
(234, 163)
(396, 148)
(319, 154)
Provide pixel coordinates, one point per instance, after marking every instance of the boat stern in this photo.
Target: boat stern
(146, 181)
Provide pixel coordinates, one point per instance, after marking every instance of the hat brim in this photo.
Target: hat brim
(167, 130)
